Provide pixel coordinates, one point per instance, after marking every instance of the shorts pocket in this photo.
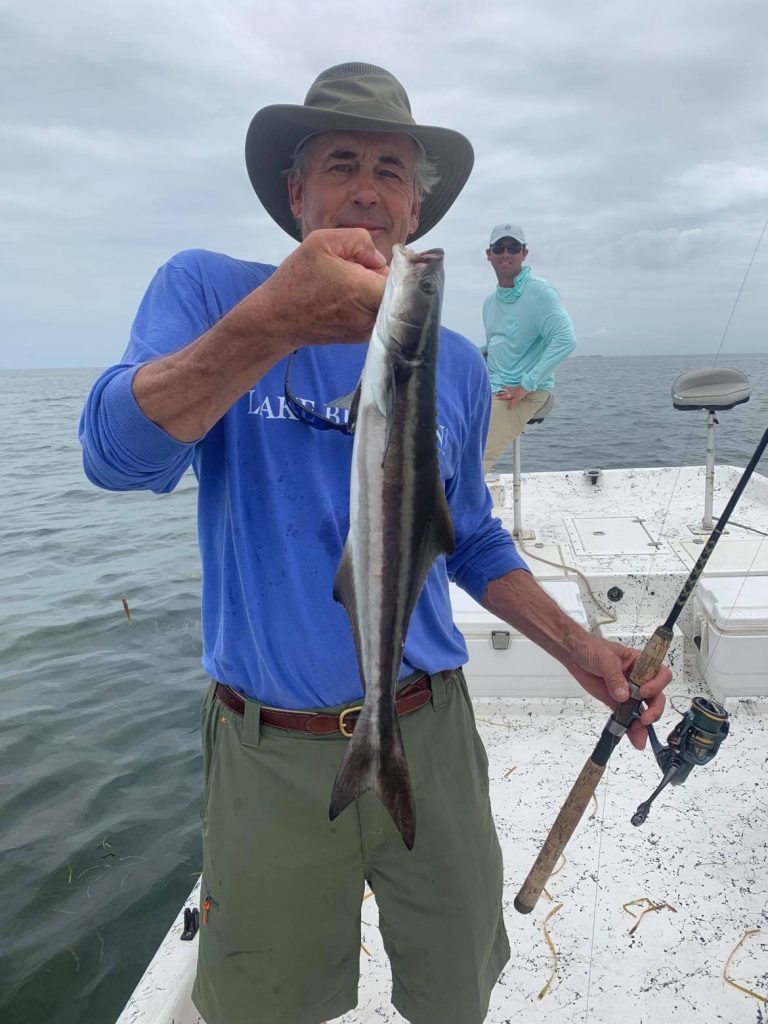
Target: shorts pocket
(473, 736)
(213, 718)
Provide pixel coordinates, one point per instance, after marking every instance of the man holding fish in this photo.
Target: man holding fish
(329, 527)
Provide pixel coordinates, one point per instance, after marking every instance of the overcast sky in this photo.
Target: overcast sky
(629, 139)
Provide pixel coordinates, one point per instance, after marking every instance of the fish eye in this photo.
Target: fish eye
(428, 286)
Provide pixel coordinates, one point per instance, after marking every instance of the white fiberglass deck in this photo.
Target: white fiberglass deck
(701, 854)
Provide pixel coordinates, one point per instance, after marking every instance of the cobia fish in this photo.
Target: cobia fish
(399, 522)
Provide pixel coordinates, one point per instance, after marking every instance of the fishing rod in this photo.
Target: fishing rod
(694, 741)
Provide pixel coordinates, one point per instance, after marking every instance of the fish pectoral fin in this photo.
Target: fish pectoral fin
(384, 392)
(377, 764)
(350, 402)
(345, 401)
(386, 404)
(438, 539)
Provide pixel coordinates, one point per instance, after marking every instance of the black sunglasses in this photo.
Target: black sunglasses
(307, 414)
(511, 247)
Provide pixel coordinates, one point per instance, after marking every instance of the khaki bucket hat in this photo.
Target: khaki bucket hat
(350, 97)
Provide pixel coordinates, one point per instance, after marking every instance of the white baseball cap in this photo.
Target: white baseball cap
(507, 231)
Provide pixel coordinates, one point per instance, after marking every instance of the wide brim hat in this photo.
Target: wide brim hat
(350, 97)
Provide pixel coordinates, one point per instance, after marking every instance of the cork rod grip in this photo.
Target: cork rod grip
(562, 830)
(652, 656)
(645, 668)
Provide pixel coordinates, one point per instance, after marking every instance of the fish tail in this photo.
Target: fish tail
(381, 767)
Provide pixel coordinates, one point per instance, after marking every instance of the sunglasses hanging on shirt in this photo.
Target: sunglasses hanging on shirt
(305, 412)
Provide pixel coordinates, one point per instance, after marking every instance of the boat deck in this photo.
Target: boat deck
(699, 860)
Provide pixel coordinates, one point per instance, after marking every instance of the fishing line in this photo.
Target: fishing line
(745, 576)
(644, 596)
(673, 490)
(741, 289)
(594, 906)
(752, 529)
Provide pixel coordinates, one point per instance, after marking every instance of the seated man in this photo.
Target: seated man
(527, 334)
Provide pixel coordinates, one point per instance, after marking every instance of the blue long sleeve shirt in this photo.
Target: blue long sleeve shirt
(527, 334)
(273, 505)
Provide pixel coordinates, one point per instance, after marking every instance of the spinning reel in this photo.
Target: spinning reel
(694, 741)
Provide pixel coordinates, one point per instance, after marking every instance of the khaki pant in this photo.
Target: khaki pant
(507, 424)
(280, 939)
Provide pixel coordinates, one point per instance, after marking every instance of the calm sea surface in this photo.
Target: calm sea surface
(100, 768)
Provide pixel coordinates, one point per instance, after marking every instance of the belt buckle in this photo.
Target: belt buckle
(342, 719)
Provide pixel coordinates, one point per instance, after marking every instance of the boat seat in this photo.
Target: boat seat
(713, 389)
(544, 411)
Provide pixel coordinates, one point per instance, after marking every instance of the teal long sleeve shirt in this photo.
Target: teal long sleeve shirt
(528, 334)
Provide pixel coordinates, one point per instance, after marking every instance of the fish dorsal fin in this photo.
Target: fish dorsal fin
(438, 539)
(441, 532)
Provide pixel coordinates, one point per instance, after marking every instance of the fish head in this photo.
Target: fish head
(413, 301)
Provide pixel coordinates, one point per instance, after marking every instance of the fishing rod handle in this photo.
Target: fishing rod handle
(583, 789)
(652, 657)
(645, 668)
(557, 840)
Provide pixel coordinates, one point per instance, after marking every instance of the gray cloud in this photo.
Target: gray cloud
(629, 140)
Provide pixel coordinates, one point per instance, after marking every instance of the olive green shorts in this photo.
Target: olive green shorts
(283, 886)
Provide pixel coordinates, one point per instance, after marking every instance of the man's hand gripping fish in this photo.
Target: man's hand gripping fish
(399, 522)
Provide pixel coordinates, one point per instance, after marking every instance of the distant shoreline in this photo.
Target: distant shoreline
(723, 360)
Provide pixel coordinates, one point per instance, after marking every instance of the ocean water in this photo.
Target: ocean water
(100, 766)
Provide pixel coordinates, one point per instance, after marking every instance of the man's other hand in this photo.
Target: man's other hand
(512, 395)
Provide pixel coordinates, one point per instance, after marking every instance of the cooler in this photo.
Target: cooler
(732, 616)
(504, 663)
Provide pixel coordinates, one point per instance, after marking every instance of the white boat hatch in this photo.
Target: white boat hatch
(611, 535)
(730, 557)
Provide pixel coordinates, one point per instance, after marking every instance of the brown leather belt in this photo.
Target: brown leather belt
(412, 697)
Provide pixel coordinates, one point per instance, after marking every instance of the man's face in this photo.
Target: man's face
(506, 256)
(360, 180)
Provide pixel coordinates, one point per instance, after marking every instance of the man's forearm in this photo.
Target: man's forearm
(187, 392)
(519, 600)
(327, 291)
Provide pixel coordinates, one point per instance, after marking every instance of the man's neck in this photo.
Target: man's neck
(508, 282)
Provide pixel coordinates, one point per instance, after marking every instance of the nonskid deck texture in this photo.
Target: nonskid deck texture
(701, 855)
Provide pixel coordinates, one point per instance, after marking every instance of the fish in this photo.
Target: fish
(399, 522)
